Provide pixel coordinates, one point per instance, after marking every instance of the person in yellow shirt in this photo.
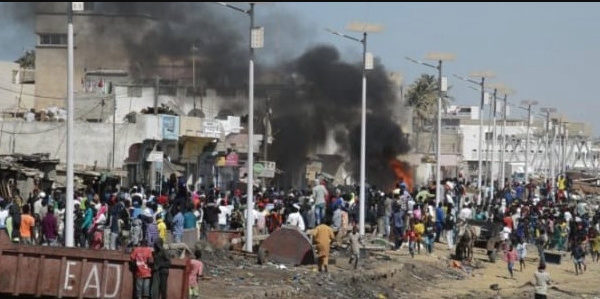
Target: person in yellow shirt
(562, 183)
(162, 229)
(419, 230)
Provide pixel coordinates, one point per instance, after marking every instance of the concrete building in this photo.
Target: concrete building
(562, 145)
(17, 87)
(99, 44)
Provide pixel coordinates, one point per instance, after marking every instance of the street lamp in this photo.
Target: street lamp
(256, 41)
(498, 87)
(482, 75)
(528, 103)
(549, 149)
(442, 87)
(364, 28)
(69, 213)
(506, 92)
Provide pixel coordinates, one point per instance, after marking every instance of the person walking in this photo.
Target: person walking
(197, 268)
(510, 256)
(160, 270)
(542, 280)
(521, 253)
(578, 254)
(323, 238)
(398, 223)
(356, 241)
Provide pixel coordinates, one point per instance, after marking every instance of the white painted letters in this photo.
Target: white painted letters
(93, 280)
(117, 281)
(96, 285)
(68, 276)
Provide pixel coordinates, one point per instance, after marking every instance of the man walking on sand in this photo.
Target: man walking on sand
(323, 238)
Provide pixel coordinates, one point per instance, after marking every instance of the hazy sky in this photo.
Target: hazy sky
(544, 51)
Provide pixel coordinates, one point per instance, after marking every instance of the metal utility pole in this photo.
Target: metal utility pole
(548, 150)
(268, 130)
(114, 127)
(482, 75)
(256, 41)
(194, 50)
(69, 209)
(528, 104)
(156, 87)
(493, 145)
(503, 149)
(367, 64)
(440, 57)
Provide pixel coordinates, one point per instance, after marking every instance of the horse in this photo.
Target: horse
(467, 235)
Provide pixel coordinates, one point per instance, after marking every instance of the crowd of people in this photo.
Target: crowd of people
(140, 222)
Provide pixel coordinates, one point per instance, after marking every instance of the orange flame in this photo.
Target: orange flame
(403, 173)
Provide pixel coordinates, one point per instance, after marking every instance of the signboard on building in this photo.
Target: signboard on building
(169, 126)
(232, 159)
(264, 169)
(312, 169)
(155, 156)
(210, 129)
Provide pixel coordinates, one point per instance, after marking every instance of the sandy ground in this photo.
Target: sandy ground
(477, 284)
(392, 274)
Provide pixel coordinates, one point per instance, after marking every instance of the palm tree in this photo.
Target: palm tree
(422, 95)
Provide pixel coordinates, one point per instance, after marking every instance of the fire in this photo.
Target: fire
(403, 172)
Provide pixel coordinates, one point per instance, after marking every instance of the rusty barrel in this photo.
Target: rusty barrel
(75, 272)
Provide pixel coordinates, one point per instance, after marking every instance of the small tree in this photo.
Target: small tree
(27, 61)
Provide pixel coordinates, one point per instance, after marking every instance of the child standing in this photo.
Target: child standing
(355, 243)
(510, 256)
(411, 237)
(521, 253)
(578, 254)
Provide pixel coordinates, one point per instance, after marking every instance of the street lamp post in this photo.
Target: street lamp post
(69, 209)
(528, 103)
(549, 172)
(482, 75)
(364, 28)
(256, 41)
(440, 57)
(506, 92)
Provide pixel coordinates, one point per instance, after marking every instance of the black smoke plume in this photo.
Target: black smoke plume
(330, 100)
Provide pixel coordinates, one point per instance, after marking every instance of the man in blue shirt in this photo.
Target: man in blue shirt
(178, 221)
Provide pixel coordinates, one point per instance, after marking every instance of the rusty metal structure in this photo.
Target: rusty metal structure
(41, 271)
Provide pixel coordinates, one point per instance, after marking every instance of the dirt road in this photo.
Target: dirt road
(392, 274)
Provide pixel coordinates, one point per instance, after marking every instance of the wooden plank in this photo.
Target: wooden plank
(38, 285)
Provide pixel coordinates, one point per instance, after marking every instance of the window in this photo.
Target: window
(134, 92)
(53, 39)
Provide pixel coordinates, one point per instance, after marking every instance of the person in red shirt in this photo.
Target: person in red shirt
(510, 256)
(197, 271)
(141, 256)
(411, 237)
(508, 221)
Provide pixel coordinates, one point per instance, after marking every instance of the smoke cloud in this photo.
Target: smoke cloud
(330, 99)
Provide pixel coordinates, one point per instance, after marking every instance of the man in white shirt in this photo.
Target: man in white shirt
(465, 213)
(319, 193)
(295, 219)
